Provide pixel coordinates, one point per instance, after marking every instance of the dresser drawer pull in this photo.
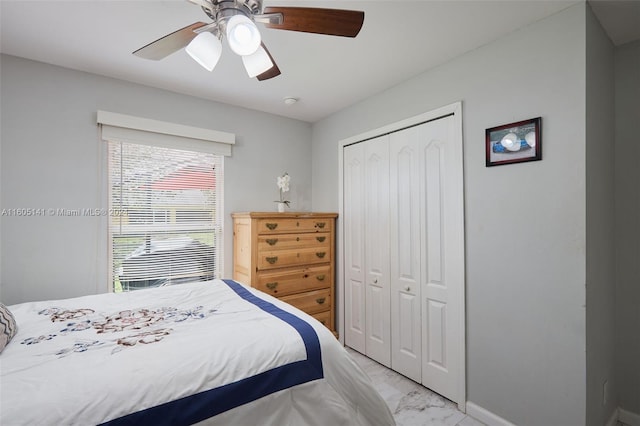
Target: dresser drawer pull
(321, 254)
(272, 286)
(320, 225)
(271, 226)
(272, 241)
(320, 300)
(320, 277)
(321, 239)
(271, 259)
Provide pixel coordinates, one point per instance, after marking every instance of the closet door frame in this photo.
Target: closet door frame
(454, 110)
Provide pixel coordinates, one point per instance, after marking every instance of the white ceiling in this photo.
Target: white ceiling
(399, 39)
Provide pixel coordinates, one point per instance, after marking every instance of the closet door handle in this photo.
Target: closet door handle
(407, 288)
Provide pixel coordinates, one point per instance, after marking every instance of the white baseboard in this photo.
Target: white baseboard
(490, 419)
(624, 416)
(487, 417)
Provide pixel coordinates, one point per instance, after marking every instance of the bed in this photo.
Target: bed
(214, 352)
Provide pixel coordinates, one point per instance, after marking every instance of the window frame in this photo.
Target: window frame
(116, 127)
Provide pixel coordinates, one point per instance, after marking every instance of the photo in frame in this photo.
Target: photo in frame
(514, 142)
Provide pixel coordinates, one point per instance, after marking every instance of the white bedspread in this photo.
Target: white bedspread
(215, 352)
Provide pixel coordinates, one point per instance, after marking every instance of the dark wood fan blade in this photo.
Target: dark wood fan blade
(170, 43)
(337, 22)
(274, 71)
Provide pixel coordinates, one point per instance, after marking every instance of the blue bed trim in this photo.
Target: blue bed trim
(201, 406)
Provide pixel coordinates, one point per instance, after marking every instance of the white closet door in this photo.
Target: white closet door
(376, 248)
(404, 202)
(407, 311)
(354, 240)
(441, 225)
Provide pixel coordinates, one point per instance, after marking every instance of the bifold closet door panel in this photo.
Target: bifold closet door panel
(404, 202)
(442, 253)
(376, 249)
(354, 246)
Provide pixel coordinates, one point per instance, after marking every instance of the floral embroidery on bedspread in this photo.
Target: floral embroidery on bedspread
(140, 321)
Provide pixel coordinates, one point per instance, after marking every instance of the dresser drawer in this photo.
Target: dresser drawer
(324, 318)
(294, 280)
(284, 258)
(312, 302)
(293, 241)
(276, 225)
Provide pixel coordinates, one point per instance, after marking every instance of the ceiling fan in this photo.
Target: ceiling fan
(236, 20)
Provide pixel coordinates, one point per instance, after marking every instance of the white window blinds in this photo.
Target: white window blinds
(165, 226)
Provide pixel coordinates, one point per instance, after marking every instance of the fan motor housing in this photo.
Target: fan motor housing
(245, 6)
(225, 9)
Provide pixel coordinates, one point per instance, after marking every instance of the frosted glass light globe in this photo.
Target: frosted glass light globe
(243, 35)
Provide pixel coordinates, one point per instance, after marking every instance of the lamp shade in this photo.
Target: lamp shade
(205, 49)
(257, 63)
(243, 35)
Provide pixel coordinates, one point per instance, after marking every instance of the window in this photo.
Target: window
(166, 214)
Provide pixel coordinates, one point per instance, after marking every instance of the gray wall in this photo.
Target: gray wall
(600, 206)
(627, 179)
(52, 157)
(525, 223)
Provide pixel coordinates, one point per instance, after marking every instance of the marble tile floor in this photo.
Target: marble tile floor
(411, 403)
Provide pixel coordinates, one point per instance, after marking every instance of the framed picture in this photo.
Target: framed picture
(514, 142)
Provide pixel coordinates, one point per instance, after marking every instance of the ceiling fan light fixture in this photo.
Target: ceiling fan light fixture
(205, 49)
(243, 35)
(257, 63)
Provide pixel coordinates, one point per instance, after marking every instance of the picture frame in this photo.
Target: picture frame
(514, 142)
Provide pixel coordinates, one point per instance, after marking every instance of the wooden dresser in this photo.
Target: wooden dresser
(290, 256)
